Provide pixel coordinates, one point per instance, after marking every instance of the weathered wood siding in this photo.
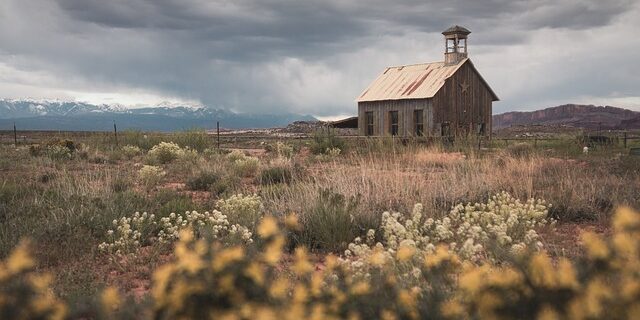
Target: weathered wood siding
(405, 108)
(466, 109)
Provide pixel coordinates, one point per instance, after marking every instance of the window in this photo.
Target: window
(393, 123)
(368, 116)
(481, 129)
(418, 121)
(445, 129)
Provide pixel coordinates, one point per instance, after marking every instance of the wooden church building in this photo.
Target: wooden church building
(448, 98)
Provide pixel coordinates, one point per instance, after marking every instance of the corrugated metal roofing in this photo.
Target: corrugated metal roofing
(418, 81)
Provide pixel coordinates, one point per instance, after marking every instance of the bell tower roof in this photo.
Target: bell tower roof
(460, 31)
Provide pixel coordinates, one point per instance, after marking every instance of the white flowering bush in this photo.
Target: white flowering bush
(165, 152)
(150, 176)
(214, 224)
(130, 233)
(130, 151)
(471, 231)
(247, 166)
(244, 210)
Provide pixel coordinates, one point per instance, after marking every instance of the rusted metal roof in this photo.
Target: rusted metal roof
(417, 81)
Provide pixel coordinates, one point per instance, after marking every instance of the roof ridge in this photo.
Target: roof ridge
(415, 64)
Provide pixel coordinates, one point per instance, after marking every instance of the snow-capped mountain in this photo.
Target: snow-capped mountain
(34, 114)
(19, 108)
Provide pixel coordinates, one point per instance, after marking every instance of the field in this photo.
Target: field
(169, 225)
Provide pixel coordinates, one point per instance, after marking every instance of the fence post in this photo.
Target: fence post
(535, 142)
(115, 132)
(15, 135)
(625, 139)
(218, 133)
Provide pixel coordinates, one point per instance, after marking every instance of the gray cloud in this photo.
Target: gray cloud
(310, 56)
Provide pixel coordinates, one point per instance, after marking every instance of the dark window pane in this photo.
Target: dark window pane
(369, 123)
(418, 121)
(393, 115)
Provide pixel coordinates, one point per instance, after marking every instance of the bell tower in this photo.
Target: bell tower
(455, 44)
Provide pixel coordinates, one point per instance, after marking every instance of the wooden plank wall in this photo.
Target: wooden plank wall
(405, 110)
(464, 109)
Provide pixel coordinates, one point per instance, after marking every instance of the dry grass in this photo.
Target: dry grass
(438, 179)
(67, 206)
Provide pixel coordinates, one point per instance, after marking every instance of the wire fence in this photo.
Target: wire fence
(624, 139)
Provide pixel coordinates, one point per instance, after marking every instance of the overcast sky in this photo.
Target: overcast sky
(312, 57)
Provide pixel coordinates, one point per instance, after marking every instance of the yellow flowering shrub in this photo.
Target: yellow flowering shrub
(208, 280)
(262, 280)
(25, 294)
(604, 284)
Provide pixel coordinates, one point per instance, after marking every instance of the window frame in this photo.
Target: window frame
(369, 124)
(394, 128)
(418, 122)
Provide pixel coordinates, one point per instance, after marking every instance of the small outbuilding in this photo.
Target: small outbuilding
(447, 98)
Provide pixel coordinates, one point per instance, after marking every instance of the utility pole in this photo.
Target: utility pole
(15, 135)
(115, 132)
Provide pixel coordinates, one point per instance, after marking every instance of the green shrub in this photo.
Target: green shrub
(214, 152)
(275, 175)
(180, 204)
(54, 149)
(246, 167)
(142, 140)
(36, 150)
(210, 181)
(69, 144)
(280, 149)
(195, 139)
(324, 142)
(58, 152)
(150, 176)
(130, 151)
(120, 184)
(329, 224)
(114, 156)
(235, 155)
(165, 152)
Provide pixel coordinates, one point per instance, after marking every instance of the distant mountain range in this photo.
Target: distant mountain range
(31, 114)
(573, 115)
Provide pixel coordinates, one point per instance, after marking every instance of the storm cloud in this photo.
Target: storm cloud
(311, 57)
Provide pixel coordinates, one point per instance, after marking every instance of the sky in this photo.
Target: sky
(310, 56)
